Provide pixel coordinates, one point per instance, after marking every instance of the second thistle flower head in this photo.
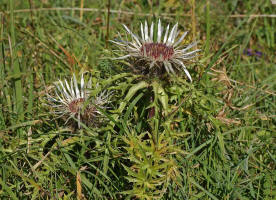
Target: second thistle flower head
(71, 99)
(165, 50)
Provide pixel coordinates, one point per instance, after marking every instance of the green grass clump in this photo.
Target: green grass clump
(162, 138)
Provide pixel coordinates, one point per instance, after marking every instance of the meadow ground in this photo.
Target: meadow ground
(159, 136)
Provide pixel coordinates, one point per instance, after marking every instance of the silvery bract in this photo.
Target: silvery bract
(164, 50)
(73, 100)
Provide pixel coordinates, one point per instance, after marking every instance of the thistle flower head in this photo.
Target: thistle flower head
(71, 99)
(163, 51)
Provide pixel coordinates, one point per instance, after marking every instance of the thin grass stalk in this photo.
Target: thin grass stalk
(208, 28)
(193, 21)
(2, 120)
(16, 68)
(2, 68)
(31, 13)
(81, 10)
(73, 11)
(7, 101)
(107, 23)
(31, 94)
(30, 78)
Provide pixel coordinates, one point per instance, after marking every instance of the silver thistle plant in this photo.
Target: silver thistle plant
(165, 50)
(74, 100)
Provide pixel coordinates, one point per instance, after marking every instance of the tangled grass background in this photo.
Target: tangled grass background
(137, 127)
